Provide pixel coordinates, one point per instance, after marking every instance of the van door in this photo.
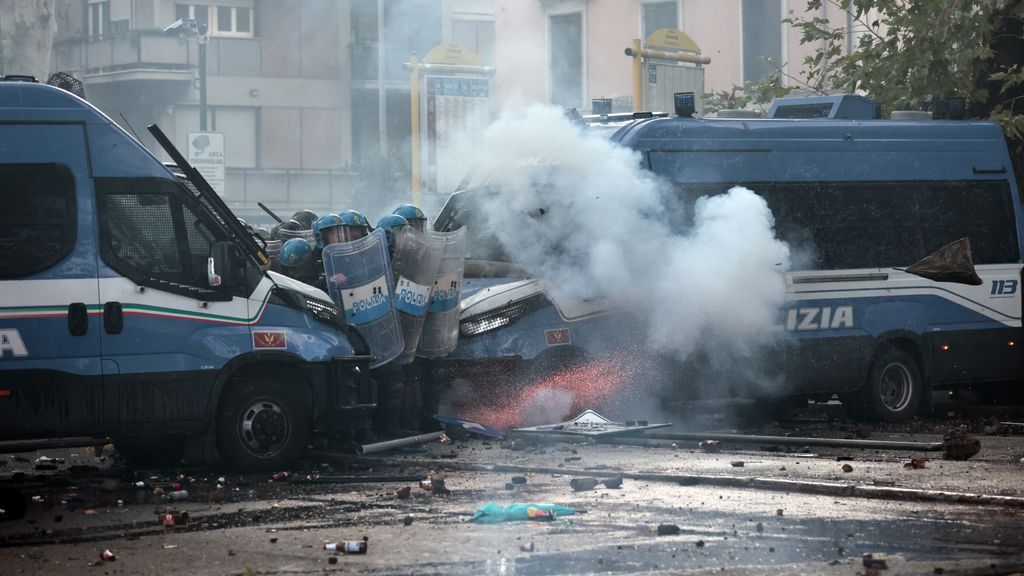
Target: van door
(165, 330)
(50, 376)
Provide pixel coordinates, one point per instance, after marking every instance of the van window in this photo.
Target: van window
(845, 225)
(38, 219)
(152, 234)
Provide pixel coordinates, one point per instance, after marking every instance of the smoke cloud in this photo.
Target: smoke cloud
(579, 211)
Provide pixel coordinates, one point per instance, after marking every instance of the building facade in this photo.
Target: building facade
(313, 96)
(579, 44)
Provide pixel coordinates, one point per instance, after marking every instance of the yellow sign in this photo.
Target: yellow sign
(671, 39)
(453, 54)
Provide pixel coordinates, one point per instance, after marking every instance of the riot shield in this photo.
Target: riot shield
(441, 328)
(417, 255)
(359, 281)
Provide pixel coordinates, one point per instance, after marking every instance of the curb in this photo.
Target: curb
(756, 483)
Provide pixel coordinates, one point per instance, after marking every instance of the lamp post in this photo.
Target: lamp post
(187, 27)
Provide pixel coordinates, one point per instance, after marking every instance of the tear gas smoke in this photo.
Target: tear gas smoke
(580, 212)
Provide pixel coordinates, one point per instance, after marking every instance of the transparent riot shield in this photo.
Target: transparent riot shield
(441, 328)
(417, 255)
(359, 281)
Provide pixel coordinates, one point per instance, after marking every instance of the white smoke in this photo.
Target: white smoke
(579, 211)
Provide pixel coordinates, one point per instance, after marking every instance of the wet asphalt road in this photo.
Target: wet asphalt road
(280, 527)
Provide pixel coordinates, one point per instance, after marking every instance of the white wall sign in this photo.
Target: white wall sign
(206, 154)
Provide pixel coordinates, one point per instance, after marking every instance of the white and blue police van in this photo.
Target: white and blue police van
(869, 197)
(135, 306)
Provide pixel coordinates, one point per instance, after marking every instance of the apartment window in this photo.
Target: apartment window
(566, 59)
(236, 21)
(99, 19)
(658, 15)
(199, 13)
(762, 38)
(475, 34)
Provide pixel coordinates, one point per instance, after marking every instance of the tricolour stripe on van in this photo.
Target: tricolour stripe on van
(26, 293)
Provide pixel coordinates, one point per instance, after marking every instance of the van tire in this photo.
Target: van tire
(893, 390)
(262, 426)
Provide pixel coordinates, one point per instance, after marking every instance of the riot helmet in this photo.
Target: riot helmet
(353, 225)
(327, 230)
(286, 226)
(413, 215)
(294, 252)
(306, 218)
(390, 223)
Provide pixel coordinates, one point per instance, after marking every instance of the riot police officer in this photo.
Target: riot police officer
(296, 261)
(390, 224)
(413, 215)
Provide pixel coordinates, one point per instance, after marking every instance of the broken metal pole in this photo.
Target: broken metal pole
(798, 441)
(398, 443)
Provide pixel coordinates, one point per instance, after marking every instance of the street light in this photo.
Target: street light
(187, 27)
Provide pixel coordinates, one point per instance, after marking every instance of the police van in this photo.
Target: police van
(866, 198)
(135, 306)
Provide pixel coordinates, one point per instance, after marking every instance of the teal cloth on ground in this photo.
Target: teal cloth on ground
(494, 513)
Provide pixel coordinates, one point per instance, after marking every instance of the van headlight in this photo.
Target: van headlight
(503, 316)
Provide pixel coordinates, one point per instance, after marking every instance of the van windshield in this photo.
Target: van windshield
(465, 209)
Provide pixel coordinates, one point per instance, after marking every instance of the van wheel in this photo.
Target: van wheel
(263, 426)
(893, 390)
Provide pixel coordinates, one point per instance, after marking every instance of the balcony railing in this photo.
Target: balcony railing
(154, 50)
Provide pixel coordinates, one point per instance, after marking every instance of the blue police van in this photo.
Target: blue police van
(869, 197)
(135, 306)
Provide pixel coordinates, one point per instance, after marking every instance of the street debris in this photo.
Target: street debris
(737, 463)
(916, 463)
(349, 546)
(279, 476)
(583, 484)
(875, 560)
(803, 442)
(459, 428)
(398, 443)
(699, 543)
(407, 521)
(591, 424)
(710, 446)
(527, 547)
(847, 468)
(613, 483)
(494, 513)
(668, 530)
(107, 556)
(173, 518)
(177, 495)
(518, 479)
(957, 444)
(404, 492)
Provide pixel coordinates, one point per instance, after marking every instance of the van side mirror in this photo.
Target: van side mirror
(222, 266)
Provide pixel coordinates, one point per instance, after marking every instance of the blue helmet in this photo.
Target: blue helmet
(412, 214)
(354, 225)
(294, 252)
(389, 223)
(323, 223)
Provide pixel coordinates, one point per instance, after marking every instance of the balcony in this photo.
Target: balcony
(153, 55)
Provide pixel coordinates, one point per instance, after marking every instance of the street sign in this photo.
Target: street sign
(454, 104)
(206, 154)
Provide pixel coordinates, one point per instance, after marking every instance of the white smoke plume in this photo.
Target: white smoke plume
(579, 211)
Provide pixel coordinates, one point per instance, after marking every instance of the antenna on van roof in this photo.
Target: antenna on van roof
(129, 125)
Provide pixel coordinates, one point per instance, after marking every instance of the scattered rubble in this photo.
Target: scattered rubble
(668, 530)
(583, 484)
(957, 444)
(875, 560)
